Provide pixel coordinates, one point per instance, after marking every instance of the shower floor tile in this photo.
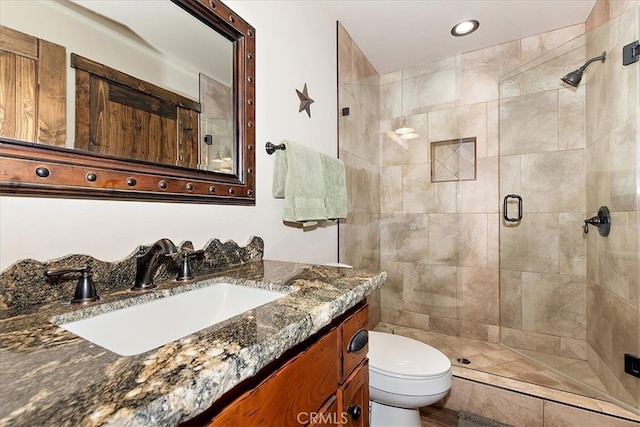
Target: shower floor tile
(497, 360)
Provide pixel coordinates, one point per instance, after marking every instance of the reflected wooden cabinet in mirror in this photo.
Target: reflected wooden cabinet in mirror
(136, 118)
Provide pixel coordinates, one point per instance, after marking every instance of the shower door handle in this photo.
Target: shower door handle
(505, 214)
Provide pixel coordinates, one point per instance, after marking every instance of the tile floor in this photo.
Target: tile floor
(501, 367)
(495, 359)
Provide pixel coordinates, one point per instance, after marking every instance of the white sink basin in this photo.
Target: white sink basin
(136, 329)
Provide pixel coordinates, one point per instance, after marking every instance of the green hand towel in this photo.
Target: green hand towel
(335, 187)
(298, 178)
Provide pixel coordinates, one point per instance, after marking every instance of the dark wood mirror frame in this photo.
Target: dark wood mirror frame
(32, 169)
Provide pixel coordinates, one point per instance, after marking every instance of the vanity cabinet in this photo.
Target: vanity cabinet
(321, 382)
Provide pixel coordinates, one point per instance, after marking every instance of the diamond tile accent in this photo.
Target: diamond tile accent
(453, 160)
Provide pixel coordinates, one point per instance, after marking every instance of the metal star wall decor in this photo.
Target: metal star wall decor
(305, 101)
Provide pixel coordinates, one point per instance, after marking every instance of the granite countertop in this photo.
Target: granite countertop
(49, 376)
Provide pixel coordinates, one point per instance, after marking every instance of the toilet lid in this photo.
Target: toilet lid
(401, 356)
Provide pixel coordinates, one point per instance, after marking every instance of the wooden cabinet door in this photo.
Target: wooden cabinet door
(292, 394)
(352, 330)
(353, 398)
(327, 415)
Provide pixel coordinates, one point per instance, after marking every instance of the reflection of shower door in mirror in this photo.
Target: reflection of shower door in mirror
(216, 121)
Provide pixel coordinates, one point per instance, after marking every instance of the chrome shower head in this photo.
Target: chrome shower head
(574, 77)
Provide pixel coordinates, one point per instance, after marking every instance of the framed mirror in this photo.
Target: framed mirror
(165, 111)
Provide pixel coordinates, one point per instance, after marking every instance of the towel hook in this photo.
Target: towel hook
(271, 148)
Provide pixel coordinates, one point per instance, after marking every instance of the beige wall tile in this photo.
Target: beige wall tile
(481, 195)
(571, 124)
(364, 186)
(482, 69)
(572, 244)
(460, 122)
(495, 403)
(554, 304)
(480, 295)
(480, 331)
(390, 100)
(394, 76)
(405, 318)
(634, 262)
(554, 181)
(493, 240)
(617, 7)
(431, 289)
(510, 86)
(444, 247)
(573, 348)
(393, 152)
(474, 235)
(599, 326)
(599, 15)
(592, 257)
(624, 324)
(530, 340)
(598, 175)
(391, 190)
(546, 74)
(446, 326)
(345, 53)
(510, 173)
(540, 44)
(493, 128)
(391, 291)
(511, 299)
(443, 125)
(615, 269)
(349, 125)
(359, 240)
(540, 253)
(419, 195)
(428, 92)
(443, 64)
(623, 146)
(529, 123)
(404, 237)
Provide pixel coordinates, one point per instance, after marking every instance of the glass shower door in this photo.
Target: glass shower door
(568, 299)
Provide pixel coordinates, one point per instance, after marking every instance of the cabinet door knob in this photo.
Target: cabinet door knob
(355, 411)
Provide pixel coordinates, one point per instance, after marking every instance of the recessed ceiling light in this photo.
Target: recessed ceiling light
(464, 28)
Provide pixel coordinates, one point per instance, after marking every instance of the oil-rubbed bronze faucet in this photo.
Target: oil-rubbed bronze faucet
(148, 263)
(85, 289)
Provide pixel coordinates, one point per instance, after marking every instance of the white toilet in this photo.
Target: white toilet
(404, 375)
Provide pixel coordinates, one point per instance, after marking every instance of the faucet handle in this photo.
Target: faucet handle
(185, 272)
(85, 289)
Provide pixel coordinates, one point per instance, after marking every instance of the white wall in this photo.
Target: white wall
(295, 45)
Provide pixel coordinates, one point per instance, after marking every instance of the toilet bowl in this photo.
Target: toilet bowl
(404, 375)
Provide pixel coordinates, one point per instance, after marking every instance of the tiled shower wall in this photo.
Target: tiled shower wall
(612, 166)
(440, 241)
(359, 236)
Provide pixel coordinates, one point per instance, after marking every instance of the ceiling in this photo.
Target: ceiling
(397, 34)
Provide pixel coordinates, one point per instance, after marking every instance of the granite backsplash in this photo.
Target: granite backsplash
(24, 284)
